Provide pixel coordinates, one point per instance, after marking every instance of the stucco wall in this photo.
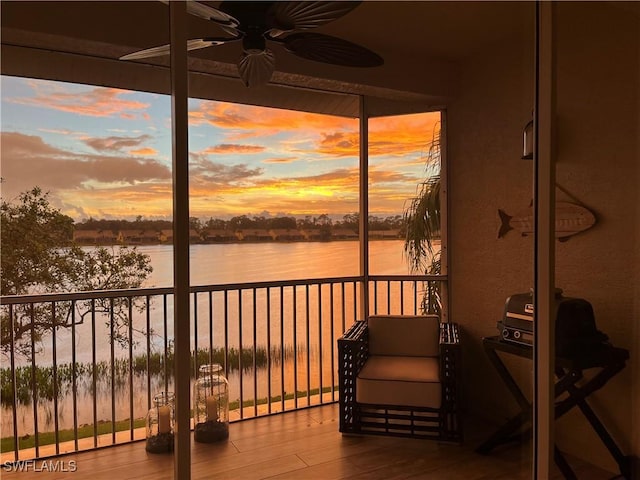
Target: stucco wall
(486, 173)
(598, 57)
(598, 62)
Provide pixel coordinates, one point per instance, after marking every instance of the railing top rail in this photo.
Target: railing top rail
(409, 278)
(143, 292)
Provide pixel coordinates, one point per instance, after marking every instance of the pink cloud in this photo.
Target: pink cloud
(95, 102)
(280, 160)
(115, 143)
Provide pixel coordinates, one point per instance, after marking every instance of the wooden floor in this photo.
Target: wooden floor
(301, 445)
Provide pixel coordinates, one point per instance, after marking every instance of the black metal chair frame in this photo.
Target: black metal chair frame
(442, 424)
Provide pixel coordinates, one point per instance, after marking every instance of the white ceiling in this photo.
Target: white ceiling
(422, 43)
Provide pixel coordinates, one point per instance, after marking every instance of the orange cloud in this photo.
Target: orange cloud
(96, 102)
(243, 121)
(233, 148)
(146, 151)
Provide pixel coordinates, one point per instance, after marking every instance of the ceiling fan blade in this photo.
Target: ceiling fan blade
(193, 44)
(302, 15)
(256, 69)
(209, 13)
(327, 49)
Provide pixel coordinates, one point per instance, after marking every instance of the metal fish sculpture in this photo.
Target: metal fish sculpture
(571, 218)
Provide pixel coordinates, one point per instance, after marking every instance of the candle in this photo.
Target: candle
(164, 419)
(212, 409)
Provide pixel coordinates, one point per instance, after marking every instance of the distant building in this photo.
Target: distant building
(286, 235)
(384, 234)
(344, 234)
(166, 236)
(130, 237)
(254, 235)
(149, 236)
(218, 235)
(311, 234)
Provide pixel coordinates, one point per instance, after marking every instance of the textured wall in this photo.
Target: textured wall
(598, 58)
(485, 124)
(598, 162)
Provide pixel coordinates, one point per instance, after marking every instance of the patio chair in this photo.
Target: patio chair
(398, 376)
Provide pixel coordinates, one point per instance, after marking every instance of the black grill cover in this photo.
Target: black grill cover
(576, 332)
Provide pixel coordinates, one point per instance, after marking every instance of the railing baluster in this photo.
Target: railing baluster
(195, 335)
(54, 353)
(355, 300)
(131, 414)
(211, 322)
(34, 383)
(333, 342)
(74, 387)
(320, 339)
(255, 353)
(282, 357)
(308, 342)
(165, 336)
(14, 384)
(226, 333)
(113, 373)
(295, 347)
(148, 327)
(375, 297)
(94, 374)
(268, 350)
(240, 353)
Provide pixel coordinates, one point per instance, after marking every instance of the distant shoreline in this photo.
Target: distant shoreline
(228, 242)
(165, 237)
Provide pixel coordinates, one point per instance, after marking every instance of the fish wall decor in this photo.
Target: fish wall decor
(571, 218)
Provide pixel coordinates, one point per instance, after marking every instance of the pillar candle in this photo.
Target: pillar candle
(212, 409)
(164, 419)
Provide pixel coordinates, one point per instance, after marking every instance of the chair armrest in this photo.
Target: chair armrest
(449, 334)
(450, 352)
(353, 351)
(353, 348)
(356, 332)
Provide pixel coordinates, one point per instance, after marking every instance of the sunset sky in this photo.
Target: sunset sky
(106, 153)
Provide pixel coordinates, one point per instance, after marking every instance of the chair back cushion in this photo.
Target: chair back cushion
(404, 335)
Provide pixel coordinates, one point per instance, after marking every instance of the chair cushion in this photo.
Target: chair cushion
(403, 381)
(404, 335)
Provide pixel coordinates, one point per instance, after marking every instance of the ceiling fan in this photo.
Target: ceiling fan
(255, 23)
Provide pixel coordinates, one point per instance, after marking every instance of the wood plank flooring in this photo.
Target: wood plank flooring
(302, 445)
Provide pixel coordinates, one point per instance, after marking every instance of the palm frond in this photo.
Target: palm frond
(422, 222)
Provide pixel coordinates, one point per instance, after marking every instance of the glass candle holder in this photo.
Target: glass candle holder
(160, 423)
(211, 405)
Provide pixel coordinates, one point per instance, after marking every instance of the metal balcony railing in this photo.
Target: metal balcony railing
(89, 382)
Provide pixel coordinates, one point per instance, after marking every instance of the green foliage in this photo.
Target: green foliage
(32, 233)
(38, 256)
(422, 221)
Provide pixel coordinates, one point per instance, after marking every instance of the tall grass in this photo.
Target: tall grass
(154, 364)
